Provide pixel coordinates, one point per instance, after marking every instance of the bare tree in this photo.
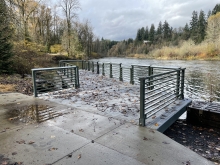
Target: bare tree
(25, 9)
(69, 8)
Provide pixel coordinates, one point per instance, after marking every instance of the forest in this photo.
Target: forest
(33, 34)
(198, 39)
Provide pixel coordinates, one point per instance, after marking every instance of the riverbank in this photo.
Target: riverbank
(180, 131)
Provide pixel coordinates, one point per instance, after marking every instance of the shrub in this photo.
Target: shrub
(57, 48)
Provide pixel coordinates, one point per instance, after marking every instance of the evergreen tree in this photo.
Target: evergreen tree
(194, 27)
(146, 36)
(5, 35)
(160, 28)
(142, 31)
(186, 32)
(166, 31)
(209, 14)
(159, 32)
(216, 9)
(201, 26)
(152, 33)
(138, 36)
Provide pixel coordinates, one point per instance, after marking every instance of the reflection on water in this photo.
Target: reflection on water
(31, 114)
(202, 81)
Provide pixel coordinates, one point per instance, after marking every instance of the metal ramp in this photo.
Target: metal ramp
(165, 118)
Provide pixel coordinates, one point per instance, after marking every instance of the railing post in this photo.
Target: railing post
(77, 76)
(60, 63)
(110, 67)
(103, 69)
(142, 102)
(88, 65)
(132, 75)
(75, 70)
(150, 73)
(92, 67)
(121, 76)
(182, 83)
(97, 67)
(178, 84)
(34, 83)
(82, 65)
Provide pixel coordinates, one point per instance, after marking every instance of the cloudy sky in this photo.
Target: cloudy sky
(120, 19)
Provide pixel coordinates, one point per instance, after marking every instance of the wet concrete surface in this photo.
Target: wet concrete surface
(81, 137)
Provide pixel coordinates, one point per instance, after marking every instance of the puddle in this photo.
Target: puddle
(31, 113)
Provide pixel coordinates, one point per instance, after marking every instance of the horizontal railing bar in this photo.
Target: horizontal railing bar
(159, 100)
(162, 82)
(160, 96)
(153, 76)
(158, 92)
(54, 68)
(165, 105)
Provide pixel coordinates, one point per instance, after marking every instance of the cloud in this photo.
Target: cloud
(120, 19)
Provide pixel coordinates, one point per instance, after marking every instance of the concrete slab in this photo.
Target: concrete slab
(96, 154)
(42, 145)
(99, 140)
(13, 98)
(85, 124)
(149, 146)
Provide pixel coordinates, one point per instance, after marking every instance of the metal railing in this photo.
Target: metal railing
(159, 91)
(203, 86)
(129, 74)
(54, 79)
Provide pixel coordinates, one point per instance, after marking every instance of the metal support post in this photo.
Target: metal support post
(121, 76)
(103, 69)
(132, 75)
(182, 83)
(97, 67)
(142, 102)
(34, 83)
(92, 67)
(77, 76)
(111, 76)
(178, 84)
(88, 65)
(150, 73)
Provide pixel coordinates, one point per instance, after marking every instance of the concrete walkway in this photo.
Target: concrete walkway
(80, 137)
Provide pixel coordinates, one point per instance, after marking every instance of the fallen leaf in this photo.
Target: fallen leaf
(31, 142)
(151, 131)
(21, 142)
(14, 153)
(145, 138)
(81, 130)
(52, 149)
(153, 117)
(156, 124)
(165, 142)
(79, 156)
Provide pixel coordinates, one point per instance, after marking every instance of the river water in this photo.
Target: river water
(202, 80)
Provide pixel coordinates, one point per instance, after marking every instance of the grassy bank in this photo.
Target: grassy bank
(187, 50)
